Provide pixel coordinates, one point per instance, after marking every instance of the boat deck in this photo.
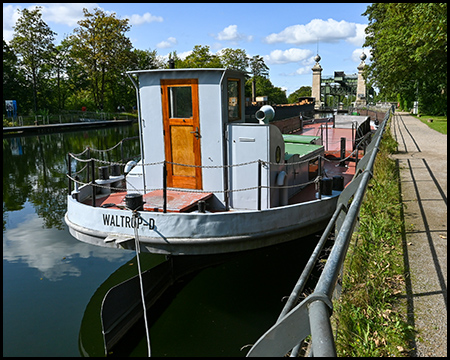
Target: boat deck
(333, 135)
(347, 171)
(177, 201)
(185, 201)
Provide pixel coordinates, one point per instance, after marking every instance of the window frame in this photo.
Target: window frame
(239, 105)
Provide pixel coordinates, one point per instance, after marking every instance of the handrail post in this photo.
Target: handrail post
(321, 133)
(343, 148)
(319, 175)
(69, 171)
(93, 181)
(354, 127)
(259, 184)
(164, 187)
(357, 156)
(321, 332)
(88, 154)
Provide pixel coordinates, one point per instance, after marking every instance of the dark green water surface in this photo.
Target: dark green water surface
(49, 277)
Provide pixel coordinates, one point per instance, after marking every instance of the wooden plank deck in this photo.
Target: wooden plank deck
(177, 201)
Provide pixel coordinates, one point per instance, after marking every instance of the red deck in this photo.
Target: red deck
(177, 201)
(333, 149)
(334, 135)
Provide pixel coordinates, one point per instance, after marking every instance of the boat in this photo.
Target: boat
(209, 180)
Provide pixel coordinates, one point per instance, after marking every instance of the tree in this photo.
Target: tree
(264, 87)
(303, 91)
(200, 57)
(102, 49)
(13, 86)
(258, 67)
(33, 42)
(409, 52)
(234, 59)
(177, 61)
(147, 59)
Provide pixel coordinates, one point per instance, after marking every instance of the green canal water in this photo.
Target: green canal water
(50, 278)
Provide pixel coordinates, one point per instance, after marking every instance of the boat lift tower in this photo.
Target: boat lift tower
(340, 85)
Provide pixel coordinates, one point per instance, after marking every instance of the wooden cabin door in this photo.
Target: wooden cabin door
(182, 132)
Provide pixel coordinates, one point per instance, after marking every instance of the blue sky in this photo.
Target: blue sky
(287, 35)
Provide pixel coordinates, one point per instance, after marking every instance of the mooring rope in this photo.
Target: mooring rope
(136, 238)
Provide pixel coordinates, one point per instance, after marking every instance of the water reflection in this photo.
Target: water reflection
(50, 252)
(37, 171)
(49, 276)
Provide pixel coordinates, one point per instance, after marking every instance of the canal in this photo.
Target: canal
(51, 280)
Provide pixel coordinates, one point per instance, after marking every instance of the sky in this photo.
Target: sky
(287, 35)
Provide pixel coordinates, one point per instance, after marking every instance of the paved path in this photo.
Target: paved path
(422, 158)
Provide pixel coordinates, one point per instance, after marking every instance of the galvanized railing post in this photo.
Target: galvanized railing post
(88, 154)
(353, 133)
(321, 332)
(164, 187)
(343, 142)
(321, 133)
(69, 171)
(319, 175)
(259, 184)
(93, 181)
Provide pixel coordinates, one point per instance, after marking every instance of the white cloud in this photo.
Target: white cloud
(137, 19)
(287, 56)
(46, 251)
(182, 55)
(317, 29)
(10, 16)
(230, 33)
(61, 13)
(167, 43)
(359, 38)
(65, 13)
(303, 70)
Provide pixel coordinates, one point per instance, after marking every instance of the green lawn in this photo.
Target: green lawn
(439, 123)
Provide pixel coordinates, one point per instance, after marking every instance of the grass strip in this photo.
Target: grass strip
(370, 315)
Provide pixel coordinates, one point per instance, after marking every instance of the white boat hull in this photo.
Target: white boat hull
(198, 233)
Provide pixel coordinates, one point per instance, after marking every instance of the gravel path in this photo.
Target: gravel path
(422, 158)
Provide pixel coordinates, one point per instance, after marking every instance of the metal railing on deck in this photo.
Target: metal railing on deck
(312, 315)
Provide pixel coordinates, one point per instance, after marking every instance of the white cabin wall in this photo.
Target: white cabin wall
(213, 116)
(211, 131)
(152, 129)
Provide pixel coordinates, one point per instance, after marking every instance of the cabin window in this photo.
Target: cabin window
(180, 101)
(234, 107)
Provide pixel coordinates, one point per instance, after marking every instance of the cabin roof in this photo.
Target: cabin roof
(300, 139)
(185, 70)
(300, 149)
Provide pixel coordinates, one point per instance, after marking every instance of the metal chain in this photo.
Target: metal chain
(199, 191)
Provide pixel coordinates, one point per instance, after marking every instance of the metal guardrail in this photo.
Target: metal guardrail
(312, 315)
